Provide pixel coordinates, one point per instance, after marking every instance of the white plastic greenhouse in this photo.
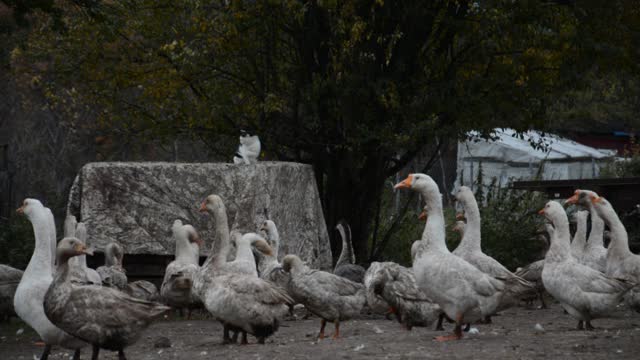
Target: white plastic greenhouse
(510, 157)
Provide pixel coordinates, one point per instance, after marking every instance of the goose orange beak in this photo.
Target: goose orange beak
(459, 216)
(196, 239)
(405, 184)
(82, 249)
(574, 198)
(20, 210)
(422, 216)
(541, 212)
(203, 207)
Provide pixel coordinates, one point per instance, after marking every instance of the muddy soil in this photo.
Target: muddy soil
(512, 335)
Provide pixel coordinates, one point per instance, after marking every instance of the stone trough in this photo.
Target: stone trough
(135, 204)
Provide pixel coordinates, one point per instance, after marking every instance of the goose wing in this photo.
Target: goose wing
(93, 311)
(261, 290)
(332, 283)
(593, 281)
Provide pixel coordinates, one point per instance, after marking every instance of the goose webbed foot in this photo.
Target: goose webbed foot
(45, 352)
(588, 325)
(439, 324)
(580, 325)
(121, 355)
(457, 334)
(543, 305)
(388, 315)
(76, 354)
(323, 323)
(244, 340)
(95, 353)
(336, 335)
(225, 335)
(234, 338)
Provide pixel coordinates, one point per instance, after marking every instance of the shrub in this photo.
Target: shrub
(510, 226)
(16, 241)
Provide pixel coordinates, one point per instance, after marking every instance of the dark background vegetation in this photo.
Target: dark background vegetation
(362, 90)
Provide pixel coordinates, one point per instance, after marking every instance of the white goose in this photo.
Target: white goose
(462, 291)
(78, 265)
(269, 268)
(239, 301)
(244, 262)
(583, 292)
(176, 289)
(29, 298)
(621, 262)
(346, 265)
(471, 251)
(579, 242)
(595, 254)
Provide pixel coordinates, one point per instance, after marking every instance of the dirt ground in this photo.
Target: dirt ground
(512, 335)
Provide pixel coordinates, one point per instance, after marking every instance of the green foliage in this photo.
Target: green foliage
(510, 226)
(628, 166)
(407, 230)
(16, 242)
(356, 88)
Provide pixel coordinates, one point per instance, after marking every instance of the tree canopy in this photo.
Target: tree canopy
(356, 88)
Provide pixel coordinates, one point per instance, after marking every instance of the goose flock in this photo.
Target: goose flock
(73, 306)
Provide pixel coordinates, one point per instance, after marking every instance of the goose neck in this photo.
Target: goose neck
(433, 235)
(471, 239)
(579, 239)
(221, 244)
(560, 243)
(619, 239)
(274, 239)
(42, 258)
(243, 251)
(597, 231)
(184, 252)
(346, 254)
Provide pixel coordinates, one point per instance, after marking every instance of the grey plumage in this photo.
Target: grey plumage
(104, 317)
(112, 273)
(331, 297)
(345, 266)
(80, 272)
(533, 273)
(143, 289)
(239, 300)
(9, 280)
(375, 303)
(397, 286)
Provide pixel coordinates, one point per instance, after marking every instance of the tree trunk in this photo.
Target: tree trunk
(351, 193)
